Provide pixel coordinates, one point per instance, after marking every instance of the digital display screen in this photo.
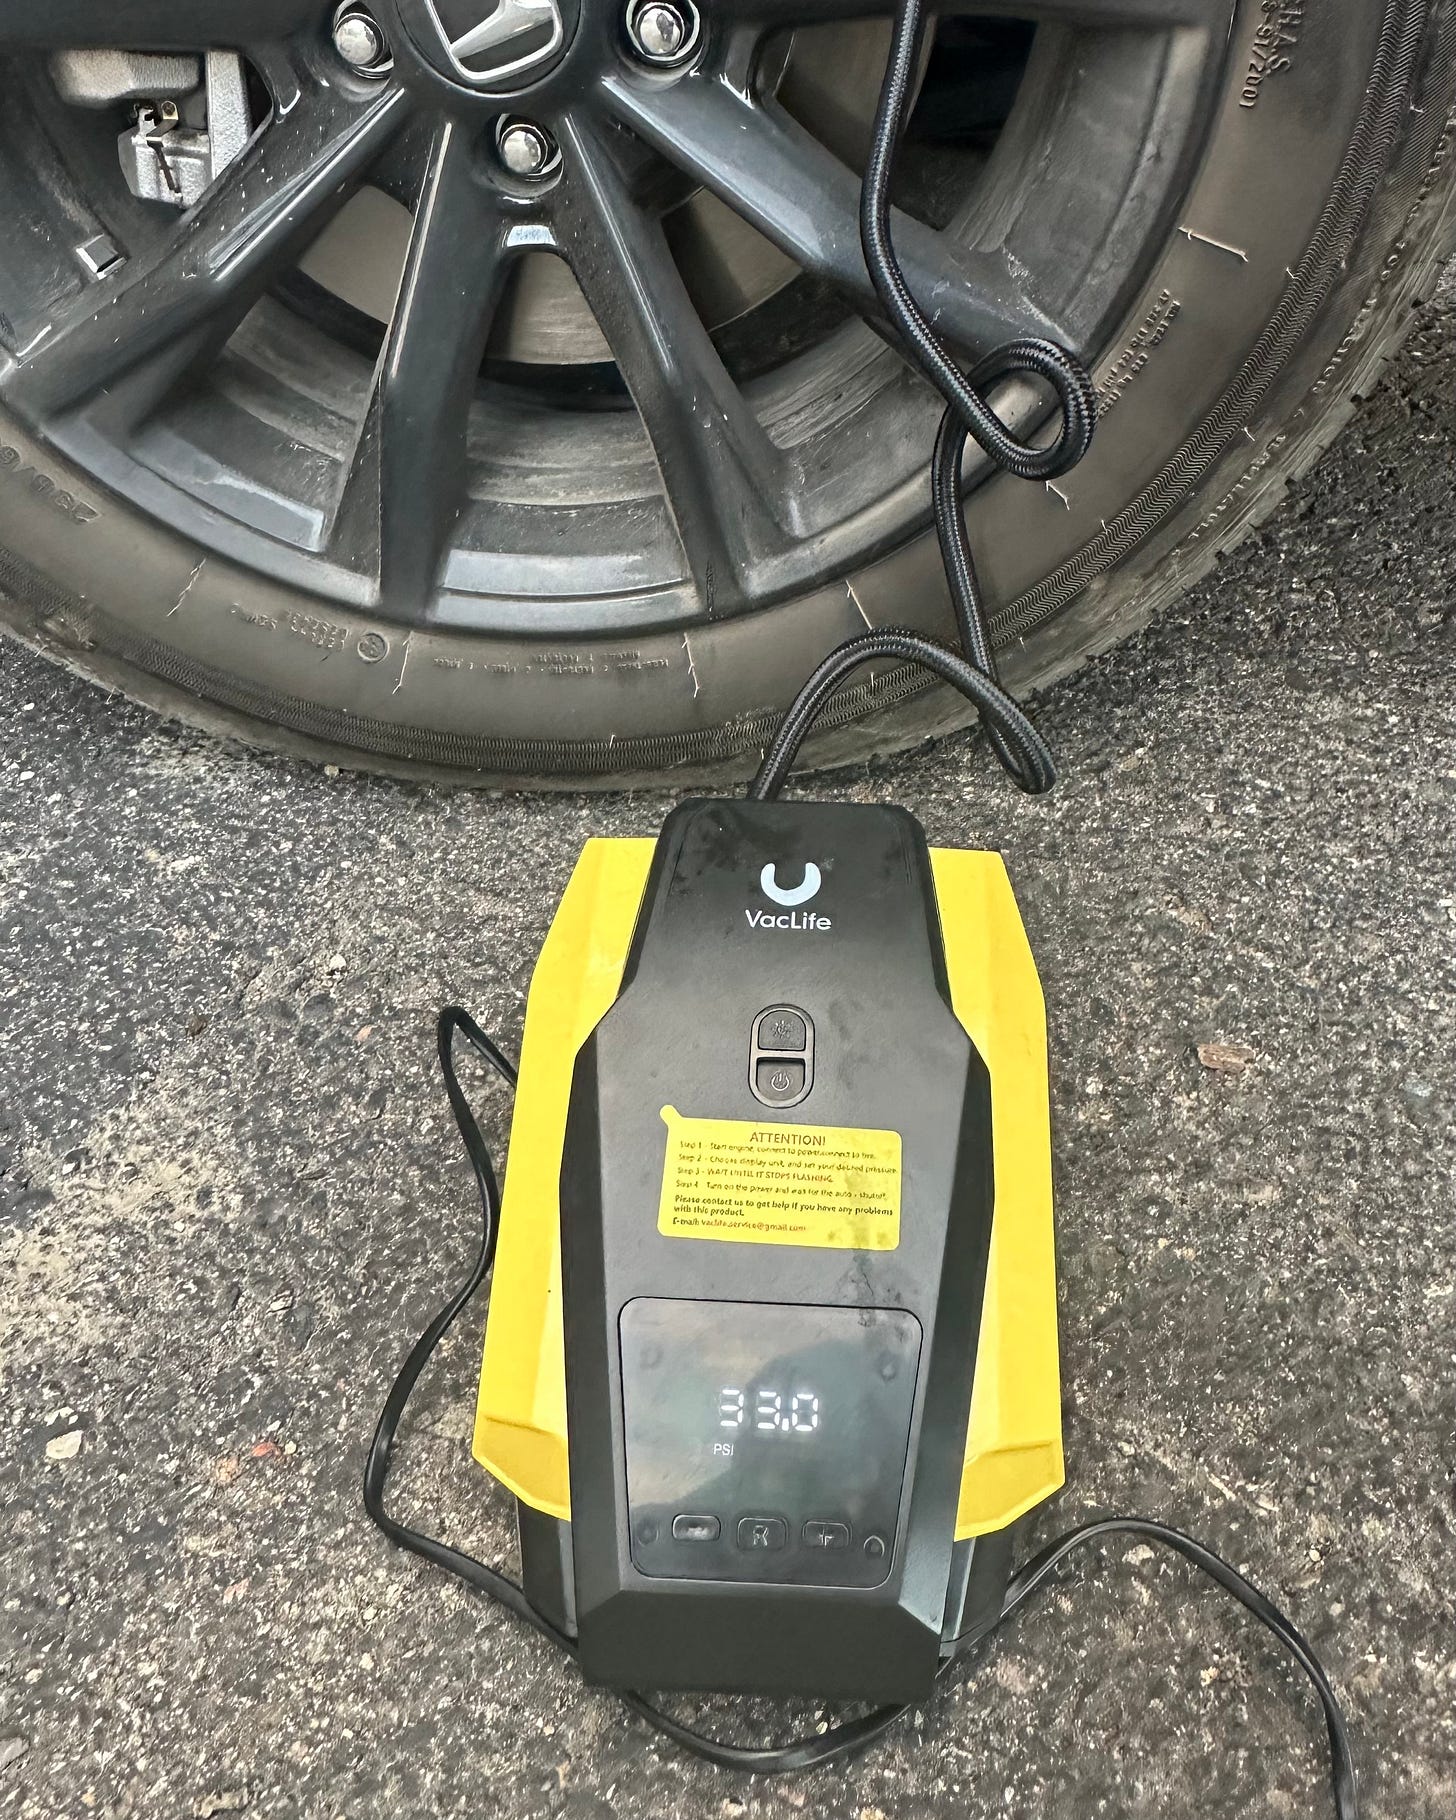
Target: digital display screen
(769, 1412)
(766, 1441)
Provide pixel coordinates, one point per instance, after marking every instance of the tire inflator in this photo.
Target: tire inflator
(771, 1361)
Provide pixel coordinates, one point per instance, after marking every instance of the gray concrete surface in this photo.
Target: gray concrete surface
(230, 1194)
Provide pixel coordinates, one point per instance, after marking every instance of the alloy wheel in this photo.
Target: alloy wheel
(691, 465)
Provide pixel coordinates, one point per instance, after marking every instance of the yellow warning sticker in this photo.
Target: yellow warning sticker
(831, 1186)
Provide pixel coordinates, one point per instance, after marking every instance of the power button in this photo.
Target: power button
(779, 1082)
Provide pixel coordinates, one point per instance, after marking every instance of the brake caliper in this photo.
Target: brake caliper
(190, 115)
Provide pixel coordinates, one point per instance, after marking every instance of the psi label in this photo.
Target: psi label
(831, 1186)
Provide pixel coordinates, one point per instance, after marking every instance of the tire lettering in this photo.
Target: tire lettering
(1239, 489)
(263, 621)
(1134, 357)
(1275, 37)
(323, 634)
(15, 467)
(560, 666)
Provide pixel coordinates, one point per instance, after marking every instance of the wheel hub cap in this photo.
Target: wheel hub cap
(489, 49)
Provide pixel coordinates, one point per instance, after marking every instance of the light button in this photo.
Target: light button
(781, 1029)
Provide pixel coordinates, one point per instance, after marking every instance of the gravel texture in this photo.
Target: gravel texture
(230, 1194)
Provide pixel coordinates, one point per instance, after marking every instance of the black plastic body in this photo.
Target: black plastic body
(864, 962)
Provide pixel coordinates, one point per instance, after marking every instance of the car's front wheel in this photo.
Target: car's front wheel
(510, 411)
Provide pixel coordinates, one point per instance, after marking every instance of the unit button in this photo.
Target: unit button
(695, 1529)
(762, 1533)
(825, 1535)
(874, 1547)
(779, 1081)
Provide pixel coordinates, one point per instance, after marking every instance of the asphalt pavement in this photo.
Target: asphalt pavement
(231, 1194)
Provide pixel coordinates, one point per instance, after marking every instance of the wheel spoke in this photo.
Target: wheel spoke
(729, 488)
(135, 338)
(151, 25)
(798, 195)
(406, 483)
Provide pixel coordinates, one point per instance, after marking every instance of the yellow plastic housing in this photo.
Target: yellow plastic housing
(1013, 1457)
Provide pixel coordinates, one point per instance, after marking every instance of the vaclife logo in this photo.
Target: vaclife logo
(790, 896)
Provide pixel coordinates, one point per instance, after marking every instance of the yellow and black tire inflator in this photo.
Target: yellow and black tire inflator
(771, 1362)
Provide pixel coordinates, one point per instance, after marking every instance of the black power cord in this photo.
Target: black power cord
(851, 1734)
(497, 1586)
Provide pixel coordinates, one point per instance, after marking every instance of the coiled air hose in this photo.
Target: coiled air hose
(972, 670)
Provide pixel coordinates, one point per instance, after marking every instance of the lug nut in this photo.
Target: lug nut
(526, 150)
(359, 39)
(662, 31)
